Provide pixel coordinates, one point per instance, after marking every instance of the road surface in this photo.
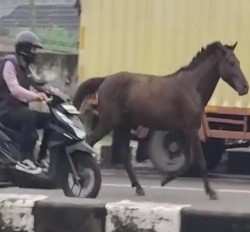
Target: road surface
(234, 195)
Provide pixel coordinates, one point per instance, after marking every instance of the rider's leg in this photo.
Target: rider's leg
(22, 118)
(42, 122)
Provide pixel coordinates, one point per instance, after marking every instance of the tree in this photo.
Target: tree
(54, 39)
(59, 39)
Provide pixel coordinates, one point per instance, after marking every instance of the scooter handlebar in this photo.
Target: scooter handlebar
(49, 99)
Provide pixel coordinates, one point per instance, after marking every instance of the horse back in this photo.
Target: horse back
(119, 86)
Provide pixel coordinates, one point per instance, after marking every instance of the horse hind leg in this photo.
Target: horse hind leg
(109, 117)
(99, 132)
(123, 136)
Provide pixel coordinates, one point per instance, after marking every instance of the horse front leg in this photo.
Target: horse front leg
(123, 135)
(199, 157)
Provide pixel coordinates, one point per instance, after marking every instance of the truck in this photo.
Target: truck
(158, 37)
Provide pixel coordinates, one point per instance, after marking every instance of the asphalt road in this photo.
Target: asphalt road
(234, 195)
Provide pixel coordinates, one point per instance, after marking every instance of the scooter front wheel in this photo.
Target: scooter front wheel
(89, 183)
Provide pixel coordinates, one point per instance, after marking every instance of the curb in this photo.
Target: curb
(211, 221)
(35, 213)
(39, 213)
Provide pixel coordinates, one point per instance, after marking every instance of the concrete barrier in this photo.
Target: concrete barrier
(38, 213)
(214, 221)
(143, 216)
(16, 212)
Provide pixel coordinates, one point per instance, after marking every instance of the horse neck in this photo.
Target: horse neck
(205, 78)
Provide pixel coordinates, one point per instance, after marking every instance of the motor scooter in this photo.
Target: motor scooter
(72, 163)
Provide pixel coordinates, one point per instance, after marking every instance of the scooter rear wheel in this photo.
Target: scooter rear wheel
(90, 177)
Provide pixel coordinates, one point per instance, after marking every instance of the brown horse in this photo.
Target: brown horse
(174, 102)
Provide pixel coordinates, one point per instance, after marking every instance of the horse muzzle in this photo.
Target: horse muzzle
(243, 90)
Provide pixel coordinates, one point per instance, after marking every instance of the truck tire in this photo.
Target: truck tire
(165, 150)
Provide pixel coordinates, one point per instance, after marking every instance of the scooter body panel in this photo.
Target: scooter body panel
(64, 139)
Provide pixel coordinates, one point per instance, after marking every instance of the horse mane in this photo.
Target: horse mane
(201, 55)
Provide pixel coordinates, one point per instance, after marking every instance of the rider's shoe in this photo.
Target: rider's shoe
(43, 164)
(28, 166)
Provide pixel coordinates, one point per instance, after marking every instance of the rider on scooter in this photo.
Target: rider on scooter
(15, 95)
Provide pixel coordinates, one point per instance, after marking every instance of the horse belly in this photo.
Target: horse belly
(160, 119)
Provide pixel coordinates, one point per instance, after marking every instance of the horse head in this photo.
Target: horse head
(230, 71)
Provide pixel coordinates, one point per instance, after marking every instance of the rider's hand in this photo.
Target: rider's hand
(41, 97)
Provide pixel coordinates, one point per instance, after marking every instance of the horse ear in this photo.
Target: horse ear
(232, 47)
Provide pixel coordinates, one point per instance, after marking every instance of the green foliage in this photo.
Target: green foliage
(58, 39)
(54, 39)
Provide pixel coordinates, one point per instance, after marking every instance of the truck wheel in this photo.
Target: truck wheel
(165, 150)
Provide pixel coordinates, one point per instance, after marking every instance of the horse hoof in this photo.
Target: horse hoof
(213, 196)
(140, 192)
(165, 180)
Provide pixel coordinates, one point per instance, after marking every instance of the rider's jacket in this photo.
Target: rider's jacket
(7, 100)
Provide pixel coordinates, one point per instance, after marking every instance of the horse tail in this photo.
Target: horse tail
(85, 89)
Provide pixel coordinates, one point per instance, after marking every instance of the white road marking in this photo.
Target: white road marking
(177, 188)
